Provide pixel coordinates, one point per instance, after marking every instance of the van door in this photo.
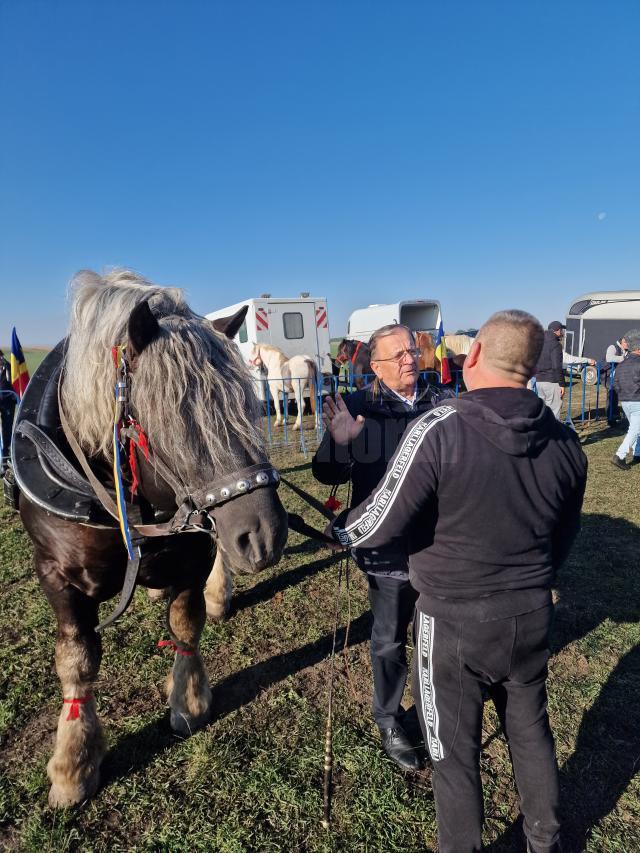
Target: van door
(293, 328)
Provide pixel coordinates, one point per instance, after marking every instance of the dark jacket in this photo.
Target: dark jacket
(487, 492)
(627, 379)
(549, 366)
(365, 459)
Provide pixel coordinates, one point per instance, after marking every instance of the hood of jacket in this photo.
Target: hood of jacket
(514, 420)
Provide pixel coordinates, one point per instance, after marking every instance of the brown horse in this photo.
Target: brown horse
(189, 392)
(427, 360)
(358, 356)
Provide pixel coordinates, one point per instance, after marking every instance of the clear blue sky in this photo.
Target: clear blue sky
(483, 153)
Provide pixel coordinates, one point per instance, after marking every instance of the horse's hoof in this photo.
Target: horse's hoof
(185, 725)
(64, 796)
(157, 594)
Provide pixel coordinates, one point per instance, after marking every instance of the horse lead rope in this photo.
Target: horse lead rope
(328, 740)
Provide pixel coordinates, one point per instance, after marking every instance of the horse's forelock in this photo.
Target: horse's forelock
(191, 390)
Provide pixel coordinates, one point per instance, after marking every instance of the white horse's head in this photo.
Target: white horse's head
(255, 357)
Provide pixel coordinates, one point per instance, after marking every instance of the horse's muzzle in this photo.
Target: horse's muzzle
(253, 530)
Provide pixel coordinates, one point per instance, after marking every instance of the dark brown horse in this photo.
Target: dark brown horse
(189, 392)
(357, 356)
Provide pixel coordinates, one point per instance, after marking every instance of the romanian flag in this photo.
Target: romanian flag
(19, 372)
(441, 355)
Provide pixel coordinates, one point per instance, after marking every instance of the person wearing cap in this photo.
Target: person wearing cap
(627, 385)
(549, 374)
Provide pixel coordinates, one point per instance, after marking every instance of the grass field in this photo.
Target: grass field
(253, 779)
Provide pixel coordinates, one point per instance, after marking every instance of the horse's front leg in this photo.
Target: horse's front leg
(187, 684)
(219, 588)
(74, 768)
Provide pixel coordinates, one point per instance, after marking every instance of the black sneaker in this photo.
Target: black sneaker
(622, 464)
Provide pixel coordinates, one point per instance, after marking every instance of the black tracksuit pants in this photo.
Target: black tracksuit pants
(392, 603)
(455, 664)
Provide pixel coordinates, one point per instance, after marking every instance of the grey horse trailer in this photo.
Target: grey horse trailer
(598, 319)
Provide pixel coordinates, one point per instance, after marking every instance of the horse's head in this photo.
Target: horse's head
(193, 397)
(345, 350)
(255, 357)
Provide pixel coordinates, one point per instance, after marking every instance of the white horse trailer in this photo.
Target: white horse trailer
(296, 325)
(598, 319)
(420, 315)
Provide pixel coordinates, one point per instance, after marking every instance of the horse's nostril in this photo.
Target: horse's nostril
(243, 543)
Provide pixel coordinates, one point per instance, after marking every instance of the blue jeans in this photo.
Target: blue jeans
(632, 411)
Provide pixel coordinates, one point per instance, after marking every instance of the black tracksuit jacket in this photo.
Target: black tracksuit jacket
(365, 459)
(485, 492)
(549, 366)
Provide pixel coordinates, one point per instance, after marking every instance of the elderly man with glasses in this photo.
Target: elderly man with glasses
(363, 432)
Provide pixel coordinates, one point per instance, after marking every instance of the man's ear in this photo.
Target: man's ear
(143, 328)
(230, 326)
(474, 354)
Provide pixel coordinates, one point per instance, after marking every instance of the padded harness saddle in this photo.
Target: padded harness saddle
(44, 465)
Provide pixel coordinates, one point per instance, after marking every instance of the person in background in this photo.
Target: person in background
(549, 372)
(7, 409)
(627, 386)
(487, 492)
(615, 354)
(363, 431)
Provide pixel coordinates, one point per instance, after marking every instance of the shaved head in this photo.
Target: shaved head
(511, 344)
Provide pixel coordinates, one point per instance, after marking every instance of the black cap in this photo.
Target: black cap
(555, 326)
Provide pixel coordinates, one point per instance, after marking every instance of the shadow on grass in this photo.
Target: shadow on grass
(136, 751)
(265, 590)
(600, 582)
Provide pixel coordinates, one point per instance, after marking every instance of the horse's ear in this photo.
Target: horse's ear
(143, 328)
(229, 326)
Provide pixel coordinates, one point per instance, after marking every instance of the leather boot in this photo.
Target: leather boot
(400, 749)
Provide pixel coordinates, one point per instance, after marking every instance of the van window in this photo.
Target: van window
(242, 333)
(293, 327)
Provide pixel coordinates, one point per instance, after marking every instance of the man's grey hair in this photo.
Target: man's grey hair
(632, 337)
(384, 332)
(512, 342)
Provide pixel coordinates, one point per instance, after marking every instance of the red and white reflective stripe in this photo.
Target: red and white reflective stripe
(261, 318)
(321, 318)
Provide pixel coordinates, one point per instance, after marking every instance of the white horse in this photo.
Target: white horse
(287, 375)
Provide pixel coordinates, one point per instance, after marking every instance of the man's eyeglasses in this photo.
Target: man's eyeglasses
(398, 356)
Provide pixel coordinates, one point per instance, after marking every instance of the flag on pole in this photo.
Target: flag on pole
(19, 372)
(441, 355)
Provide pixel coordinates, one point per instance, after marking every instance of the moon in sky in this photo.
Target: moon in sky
(602, 215)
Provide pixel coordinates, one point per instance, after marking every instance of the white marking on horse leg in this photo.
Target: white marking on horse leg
(74, 768)
(219, 589)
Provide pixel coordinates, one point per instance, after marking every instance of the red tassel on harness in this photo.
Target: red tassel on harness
(143, 444)
(333, 503)
(169, 644)
(74, 709)
(133, 467)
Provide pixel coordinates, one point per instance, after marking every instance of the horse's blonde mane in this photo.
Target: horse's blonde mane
(191, 391)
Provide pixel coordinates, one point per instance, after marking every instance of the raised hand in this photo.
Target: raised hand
(339, 421)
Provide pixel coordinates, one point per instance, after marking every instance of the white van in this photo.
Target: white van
(596, 320)
(296, 325)
(420, 315)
